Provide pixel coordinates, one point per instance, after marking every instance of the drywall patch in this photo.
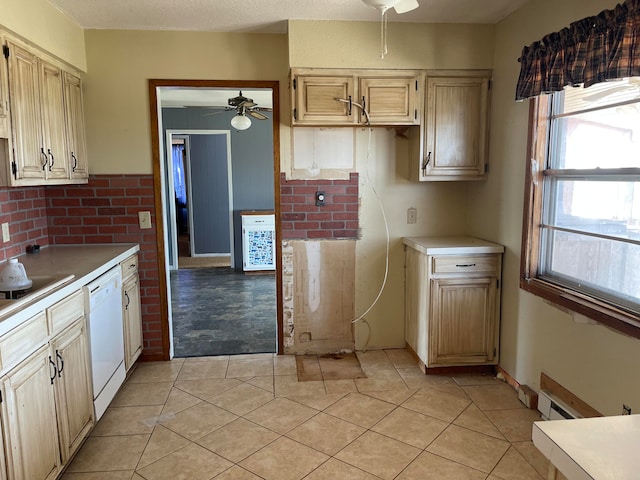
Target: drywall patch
(318, 287)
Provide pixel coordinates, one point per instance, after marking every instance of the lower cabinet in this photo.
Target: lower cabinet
(131, 311)
(74, 399)
(452, 300)
(132, 320)
(47, 402)
(29, 413)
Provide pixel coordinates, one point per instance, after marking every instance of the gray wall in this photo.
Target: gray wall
(251, 160)
(209, 194)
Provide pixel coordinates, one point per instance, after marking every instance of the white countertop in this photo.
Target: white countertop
(600, 448)
(460, 245)
(73, 265)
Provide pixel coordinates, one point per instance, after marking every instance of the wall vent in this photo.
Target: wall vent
(552, 408)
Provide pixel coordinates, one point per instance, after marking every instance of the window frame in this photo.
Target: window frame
(606, 313)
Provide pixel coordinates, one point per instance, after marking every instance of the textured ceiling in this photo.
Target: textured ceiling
(266, 15)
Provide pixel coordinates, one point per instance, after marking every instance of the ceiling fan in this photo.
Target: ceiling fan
(400, 6)
(244, 107)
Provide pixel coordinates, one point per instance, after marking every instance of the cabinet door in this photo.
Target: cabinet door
(30, 156)
(462, 325)
(76, 137)
(132, 320)
(53, 120)
(455, 130)
(390, 100)
(74, 398)
(5, 127)
(31, 432)
(315, 100)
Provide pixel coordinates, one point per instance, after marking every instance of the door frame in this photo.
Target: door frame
(157, 149)
(186, 135)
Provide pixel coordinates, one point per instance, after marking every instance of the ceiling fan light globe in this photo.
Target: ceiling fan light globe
(381, 4)
(240, 122)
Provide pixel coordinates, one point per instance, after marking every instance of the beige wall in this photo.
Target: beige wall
(39, 22)
(597, 364)
(120, 63)
(383, 163)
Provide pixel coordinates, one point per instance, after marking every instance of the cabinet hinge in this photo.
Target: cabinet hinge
(416, 85)
(495, 352)
(14, 168)
(5, 51)
(497, 283)
(486, 168)
(415, 114)
(295, 83)
(0, 396)
(295, 113)
(489, 84)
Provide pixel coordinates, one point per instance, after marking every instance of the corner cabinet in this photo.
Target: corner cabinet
(322, 97)
(131, 312)
(46, 143)
(452, 142)
(452, 300)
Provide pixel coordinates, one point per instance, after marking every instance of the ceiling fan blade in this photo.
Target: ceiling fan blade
(257, 115)
(404, 6)
(262, 109)
(248, 103)
(216, 113)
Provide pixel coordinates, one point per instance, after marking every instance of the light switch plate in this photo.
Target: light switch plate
(144, 219)
(6, 236)
(412, 215)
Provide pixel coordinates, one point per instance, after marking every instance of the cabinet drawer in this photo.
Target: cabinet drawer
(466, 264)
(65, 312)
(129, 266)
(23, 340)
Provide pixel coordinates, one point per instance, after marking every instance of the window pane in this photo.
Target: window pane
(596, 264)
(603, 207)
(608, 138)
(606, 93)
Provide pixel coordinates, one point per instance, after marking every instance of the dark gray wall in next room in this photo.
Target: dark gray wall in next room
(251, 160)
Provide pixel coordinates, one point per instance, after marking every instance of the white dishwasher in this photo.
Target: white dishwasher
(106, 337)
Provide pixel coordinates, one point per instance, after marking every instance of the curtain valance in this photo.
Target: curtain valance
(591, 50)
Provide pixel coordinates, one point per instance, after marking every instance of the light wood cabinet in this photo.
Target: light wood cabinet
(76, 137)
(452, 142)
(452, 300)
(131, 311)
(46, 119)
(74, 398)
(47, 406)
(29, 412)
(338, 97)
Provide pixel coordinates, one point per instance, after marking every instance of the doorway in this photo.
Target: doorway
(200, 219)
(163, 203)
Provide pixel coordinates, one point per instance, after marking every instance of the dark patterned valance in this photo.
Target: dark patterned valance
(591, 50)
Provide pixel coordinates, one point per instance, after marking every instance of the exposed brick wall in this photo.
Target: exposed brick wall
(302, 219)
(24, 208)
(106, 211)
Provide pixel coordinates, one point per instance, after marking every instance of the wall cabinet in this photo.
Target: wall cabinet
(452, 141)
(329, 97)
(47, 121)
(5, 125)
(47, 406)
(131, 312)
(452, 300)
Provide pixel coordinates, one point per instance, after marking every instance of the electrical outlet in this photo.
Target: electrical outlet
(626, 410)
(412, 215)
(6, 236)
(144, 219)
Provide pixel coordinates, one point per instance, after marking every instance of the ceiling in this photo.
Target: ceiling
(267, 16)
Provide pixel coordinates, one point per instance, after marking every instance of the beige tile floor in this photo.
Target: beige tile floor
(247, 417)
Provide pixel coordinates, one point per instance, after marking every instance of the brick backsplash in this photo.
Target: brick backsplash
(106, 211)
(24, 209)
(303, 220)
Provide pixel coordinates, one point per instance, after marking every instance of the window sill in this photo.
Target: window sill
(615, 318)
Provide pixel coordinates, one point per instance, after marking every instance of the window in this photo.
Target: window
(581, 240)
